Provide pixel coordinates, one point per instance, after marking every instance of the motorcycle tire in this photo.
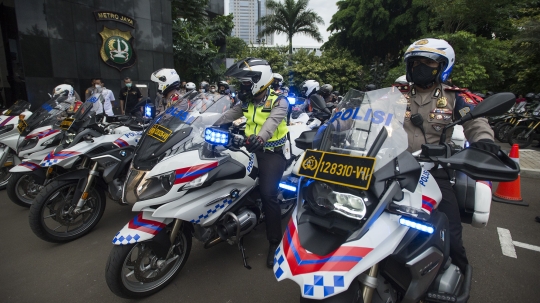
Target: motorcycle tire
(514, 136)
(22, 189)
(352, 295)
(502, 132)
(44, 207)
(5, 176)
(121, 259)
(497, 125)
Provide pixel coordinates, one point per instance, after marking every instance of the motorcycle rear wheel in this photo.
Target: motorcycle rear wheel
(52, 207)
(22, 189)
(515, 136)
(124, 270)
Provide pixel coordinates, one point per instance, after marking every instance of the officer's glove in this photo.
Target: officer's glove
(237, 141)
(487, 145)
(254, 143)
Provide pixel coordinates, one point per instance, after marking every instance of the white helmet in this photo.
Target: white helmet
(190, 86)
(167, 80)
(402, 80)
(402, 84)
(309, 87)
(63, 90)
(435, 49)
(278, 78)
(253, 70)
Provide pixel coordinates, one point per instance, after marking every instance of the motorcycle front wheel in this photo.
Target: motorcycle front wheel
(134, 271)
(517, 136)
(502, 132)
(52, 217)
(23, 189)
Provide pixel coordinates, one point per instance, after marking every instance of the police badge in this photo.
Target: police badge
(441, 102)
(117, 48)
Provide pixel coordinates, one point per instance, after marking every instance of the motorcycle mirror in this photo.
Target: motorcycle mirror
(319, 104)
(494, 105)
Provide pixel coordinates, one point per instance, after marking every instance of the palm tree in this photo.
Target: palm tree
(291, 18)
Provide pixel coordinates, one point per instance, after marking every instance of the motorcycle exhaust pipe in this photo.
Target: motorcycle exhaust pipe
(238, 226)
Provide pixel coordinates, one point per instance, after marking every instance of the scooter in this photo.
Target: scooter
(366, 227)
(188, 181)
(71, 204)
(9, 136)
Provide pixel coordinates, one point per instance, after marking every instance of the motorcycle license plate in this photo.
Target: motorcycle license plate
(352, 171)
(22, 125)
(66, 123)
(159, 133)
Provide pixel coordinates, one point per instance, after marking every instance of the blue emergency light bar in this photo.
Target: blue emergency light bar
(292, 100)
(287, 186)
(149, 111)
(216, 136)
(421, 226)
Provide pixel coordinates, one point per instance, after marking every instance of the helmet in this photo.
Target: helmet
(370, 87)
(63, 90)
(257, 72)
(190, 86)
(278, 80)
(529, 96)
(309, 87)
(402, 84)
(435, 49)
(167, 80)
(489, 93)
(326, 89)
(204, 85)
(285, 90)
(224, 84)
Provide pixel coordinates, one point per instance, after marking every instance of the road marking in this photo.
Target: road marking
(506, 243)
(527, 246)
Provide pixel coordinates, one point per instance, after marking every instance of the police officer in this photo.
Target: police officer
(429, 63)
(168, 82)
(278, 82)
(129, 97)
(266, 132)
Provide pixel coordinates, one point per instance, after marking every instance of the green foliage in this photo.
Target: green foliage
(235, 47)
(276, 56)
(291, 18)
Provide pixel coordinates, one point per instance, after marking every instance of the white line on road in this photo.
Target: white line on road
(507, 245)
(527, 246)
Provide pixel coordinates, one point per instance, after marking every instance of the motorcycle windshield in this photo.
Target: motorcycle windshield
(536, 111)
(50, 113)
(365, 125)
(18, 108)
(180, 128)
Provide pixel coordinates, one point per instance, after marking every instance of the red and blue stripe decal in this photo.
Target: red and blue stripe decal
(6, 121)
(488, 183)
(43, 134)
(191, 173)
(144, 225)
(120, 142)
(302, 262)
(428, 203)
(30, 165)
(64, 154)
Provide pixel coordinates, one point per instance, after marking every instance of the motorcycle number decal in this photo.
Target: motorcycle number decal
(352, 171)
(66, 123)
(22, 125)
(159, 132)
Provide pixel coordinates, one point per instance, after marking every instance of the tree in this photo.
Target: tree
(276, 57)
(235, 47)
(291, 18)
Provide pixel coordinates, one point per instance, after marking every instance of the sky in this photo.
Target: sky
(324, 8)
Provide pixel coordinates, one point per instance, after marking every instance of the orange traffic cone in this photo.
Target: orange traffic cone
(510, 192)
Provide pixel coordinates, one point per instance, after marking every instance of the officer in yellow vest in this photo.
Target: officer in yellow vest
(266, 132)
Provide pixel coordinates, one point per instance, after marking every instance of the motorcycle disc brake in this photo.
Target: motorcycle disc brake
(146, 266)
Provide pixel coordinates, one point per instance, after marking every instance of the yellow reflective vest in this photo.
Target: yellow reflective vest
(256, 116)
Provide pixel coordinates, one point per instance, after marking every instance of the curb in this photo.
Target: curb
(530, 173)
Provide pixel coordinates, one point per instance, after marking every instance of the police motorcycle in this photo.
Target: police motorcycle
(366, 227)
(9, 136)
(94, 159)
(184, 187)
(37, 135)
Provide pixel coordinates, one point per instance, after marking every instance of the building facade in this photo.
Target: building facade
(49, 42)
(246, 14)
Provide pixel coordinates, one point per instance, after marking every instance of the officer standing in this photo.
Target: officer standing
(266, 132)
(129, 97)
(429, 63)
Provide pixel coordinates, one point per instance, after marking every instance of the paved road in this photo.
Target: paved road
(37, 271)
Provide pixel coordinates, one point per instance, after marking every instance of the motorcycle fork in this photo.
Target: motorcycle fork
(532, 129)
(91, 175)
(176, 227)
(370, 283)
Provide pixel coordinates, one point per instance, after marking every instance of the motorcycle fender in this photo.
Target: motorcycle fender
(143, 227)
(482, 204)
(82, 174)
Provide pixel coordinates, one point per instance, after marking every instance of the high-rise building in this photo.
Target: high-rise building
(246, 14)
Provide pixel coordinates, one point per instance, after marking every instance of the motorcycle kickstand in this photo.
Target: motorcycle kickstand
(243, 251)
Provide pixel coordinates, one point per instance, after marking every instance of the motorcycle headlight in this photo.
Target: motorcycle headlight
(156, 186)
(4, 129)
(28, 143)
(323, 199)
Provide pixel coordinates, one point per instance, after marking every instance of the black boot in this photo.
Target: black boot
(271, 254)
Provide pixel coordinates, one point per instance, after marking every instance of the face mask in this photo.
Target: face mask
(128, 84)
(98, 86)
(245, 93)
(213, 90)
(423, 75)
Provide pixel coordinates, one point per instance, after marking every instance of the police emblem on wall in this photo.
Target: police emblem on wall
(117, 48)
